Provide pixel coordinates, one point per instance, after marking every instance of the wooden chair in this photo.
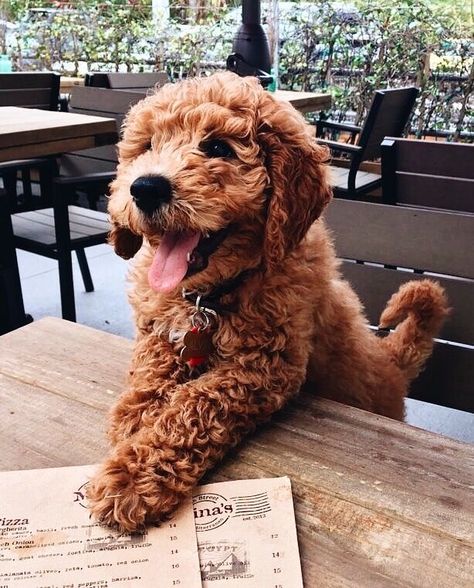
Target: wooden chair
(127, 81)
(96, 165)
(387, 115)
(381, 247)
(28, 90)
(55, 232)
(428, 173)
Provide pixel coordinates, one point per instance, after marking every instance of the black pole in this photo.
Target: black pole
(251, 12)
(250, 51)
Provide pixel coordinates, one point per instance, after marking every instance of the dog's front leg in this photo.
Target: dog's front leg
(154, 375)
(149, 474)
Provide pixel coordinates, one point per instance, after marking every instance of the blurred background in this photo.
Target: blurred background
(347, 48)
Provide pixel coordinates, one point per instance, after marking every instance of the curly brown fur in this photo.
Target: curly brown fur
(293, 317)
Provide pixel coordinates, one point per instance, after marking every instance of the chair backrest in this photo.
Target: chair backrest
(127, 81)
(387, 116)
(428, 173)
(30, 90)
(380, 247)
(97, 102)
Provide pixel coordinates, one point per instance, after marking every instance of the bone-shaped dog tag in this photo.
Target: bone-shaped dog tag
(197, 346)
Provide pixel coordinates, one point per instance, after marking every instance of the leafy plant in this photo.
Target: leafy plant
(348, 51)
(385, 44)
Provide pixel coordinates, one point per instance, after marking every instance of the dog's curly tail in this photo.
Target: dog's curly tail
(417, 311)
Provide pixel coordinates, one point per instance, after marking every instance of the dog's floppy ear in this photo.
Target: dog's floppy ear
(299, 190)
(124, 242)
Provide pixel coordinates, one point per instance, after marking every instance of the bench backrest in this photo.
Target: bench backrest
(127, 81)
(97, 102)
(30, 90)
(428, 173)
(381, 247)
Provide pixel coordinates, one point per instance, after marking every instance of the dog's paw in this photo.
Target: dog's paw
(126, 496)
(113, 499)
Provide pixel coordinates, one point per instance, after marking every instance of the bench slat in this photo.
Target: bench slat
(137, 80)
(436, 158)
(435, 191)
(102, 101)
(93, 161)
(448, 378)
(428, 240)
(375, 285)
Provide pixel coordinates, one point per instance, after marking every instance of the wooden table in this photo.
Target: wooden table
(305, 101)
(378, 503)
(27, 133)
(302, 101)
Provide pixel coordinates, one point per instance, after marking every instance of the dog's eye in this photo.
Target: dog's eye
(147, 146)
(217, 148)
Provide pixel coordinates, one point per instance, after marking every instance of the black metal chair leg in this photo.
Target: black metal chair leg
(85, 272)
(10, 185)
(63, 241)
(27, 189)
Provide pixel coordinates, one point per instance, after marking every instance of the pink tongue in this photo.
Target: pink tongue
(170, 263)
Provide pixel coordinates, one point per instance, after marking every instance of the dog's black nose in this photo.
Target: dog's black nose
(151, 192)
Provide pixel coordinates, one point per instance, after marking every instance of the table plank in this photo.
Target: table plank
(29, 132)
(71, 361)
(68, 385)
(305, 101)
(54, 147)
(29, 447)
(377, 502)
(28, 125)
(302, 101)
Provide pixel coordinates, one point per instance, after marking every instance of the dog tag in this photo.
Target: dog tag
(197, 347)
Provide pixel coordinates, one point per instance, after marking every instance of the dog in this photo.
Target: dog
(237, 295)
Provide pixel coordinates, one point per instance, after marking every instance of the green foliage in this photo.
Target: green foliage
(384, 44)
(15, 9)
(347, 51)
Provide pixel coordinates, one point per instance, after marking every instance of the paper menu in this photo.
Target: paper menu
(246, 532)
(47, 539)
(239, 533)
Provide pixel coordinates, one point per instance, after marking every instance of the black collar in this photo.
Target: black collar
(212, 299)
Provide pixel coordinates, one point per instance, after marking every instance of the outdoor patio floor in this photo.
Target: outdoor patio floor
(107, 309)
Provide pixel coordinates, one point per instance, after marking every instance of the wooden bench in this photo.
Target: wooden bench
(429, 174)
(383, 246)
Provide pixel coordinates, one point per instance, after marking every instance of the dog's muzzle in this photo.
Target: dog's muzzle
(151, 192)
